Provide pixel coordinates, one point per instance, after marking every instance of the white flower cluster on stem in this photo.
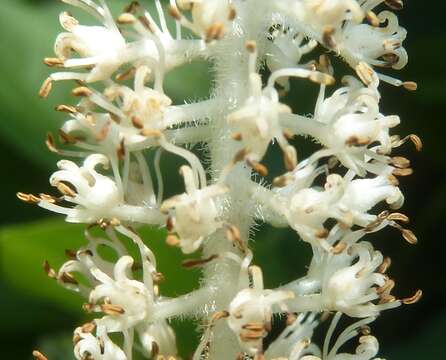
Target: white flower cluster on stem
(124, 121)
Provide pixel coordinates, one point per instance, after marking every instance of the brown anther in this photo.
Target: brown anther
(174, 12)
(232, 13)
(193, 263)
(254, 326)
(321, 233)
(39, 356)
(66, 108)
(328, 38)
(402, 172)
(120, 152)
(170, 223)
(64, 189)
(48, 198)
(151, 133)
(28, 198)
(413, 299)
(126, 19)
(251, 46)
(372, 19)
(398, 217)
(290, 318)
(129, 73)
(218, 316)
(81, 91)
(247, 336)
(357, 141)
(410, 85)
(416, 141)
(155, 349)
(137, 123)
(237, 136)
(172, 240)
(262, 170)
(70, 254)
(240, 155)
(321, 78)
(111, 309)
(53, 62)
(393, 180)
(46, 87)
(157, 277)
(386, 298)
(394, 4)
(339, 248)
(88, 327)
(409, 236)
(49, 270)
(115, 222)
(67, 138)
(67, 278)
(400, 162)
(384, 265)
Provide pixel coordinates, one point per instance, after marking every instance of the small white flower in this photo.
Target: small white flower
(194, 213)
(102, 47)
(95, 195)
(98, 347)
(351, 283)
(127, 302)
(250, 312)
(209, 17)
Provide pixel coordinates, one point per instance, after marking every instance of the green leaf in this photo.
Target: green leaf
(24, 248)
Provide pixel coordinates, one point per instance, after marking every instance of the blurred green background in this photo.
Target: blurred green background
(36, 313)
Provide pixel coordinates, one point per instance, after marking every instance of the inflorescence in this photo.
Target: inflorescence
(124, 121)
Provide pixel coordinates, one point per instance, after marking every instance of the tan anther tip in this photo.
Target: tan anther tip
(251, 46)
(410, 85)
(81, 91)
(46, 87)
(39, 356)
(53, 62)
(413, 299)
(172, 240)
(174, 12)
(416, 141)
(409, 236)
(126, 19)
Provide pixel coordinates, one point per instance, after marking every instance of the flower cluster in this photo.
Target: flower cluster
(124, 120)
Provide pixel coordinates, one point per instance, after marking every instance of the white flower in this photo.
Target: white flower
(102, 47)
(250, 312)
(194, 213)
(209, 17)
(95, 195)
(376, 45)
(127, 302)
(286, 48)
(100, 347)
(350, 283)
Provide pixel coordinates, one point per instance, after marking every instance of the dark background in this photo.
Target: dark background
(37, 313)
